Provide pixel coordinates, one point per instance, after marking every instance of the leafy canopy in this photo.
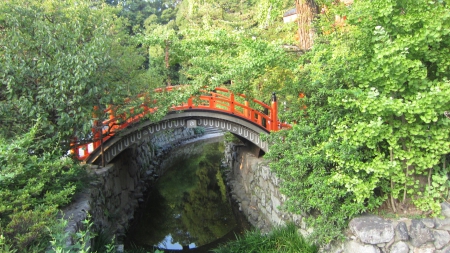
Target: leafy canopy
(376, 88)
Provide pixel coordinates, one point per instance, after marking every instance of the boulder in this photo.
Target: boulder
(444, 250)
(356, 247)
(372, 229)
(441, 238)
(420, 234)
(445, 209)
(425, 249)
(401, 231)
(399, 247)
(443, 224)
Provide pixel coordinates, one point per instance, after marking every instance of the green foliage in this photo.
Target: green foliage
(32, 187)
(229, 137)
(281, 239)
(376, 88)
(58, 60)
(395, 130)
(215, 43)
(81, 239)
(4, 246)
(199, 130)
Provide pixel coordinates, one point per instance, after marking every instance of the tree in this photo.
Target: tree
(376, 87)
(306, 11)
(59, 59)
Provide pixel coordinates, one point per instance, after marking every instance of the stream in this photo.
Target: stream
(189, 209)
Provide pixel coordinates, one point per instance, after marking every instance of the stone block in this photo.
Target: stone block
(442, 224)
(425, 249)
(297, 219)
(441, 238)
(276, 203)
(263, 184)
(305, 232)
(275, 181)
(419, 233)
(275, 219)
(429, 223)
(130, 183)
(271, 187)
(401, 231)
(253, 200)
(116, 186)
(265, 172)
(444, 250)
(372, 229)
(445, 209)
(356, 247)
(399, 247)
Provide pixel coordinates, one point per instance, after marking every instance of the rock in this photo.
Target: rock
(444, 250)
(372, 229)
(428, 223)
(356, 247)
(445, 209)
(441, 238)
(401, 231)
(419, 233)
(425, 249)
(399, 247)
(442, 224)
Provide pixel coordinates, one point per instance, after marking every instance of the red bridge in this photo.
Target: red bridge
(218, 108)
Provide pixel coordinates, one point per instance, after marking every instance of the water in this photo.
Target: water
(189, 208)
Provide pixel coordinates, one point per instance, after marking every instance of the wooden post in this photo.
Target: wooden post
(96, 134)
(212, 101)
(274, 113)
(245, 109)
(232, 103)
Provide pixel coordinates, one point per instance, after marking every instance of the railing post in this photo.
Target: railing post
(74, 147)
(232, 103)
(212, 101)
(190, 103)
(95, 132)
(245, 109)
(274, 112)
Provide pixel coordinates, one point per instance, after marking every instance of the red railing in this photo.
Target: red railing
(219, 100)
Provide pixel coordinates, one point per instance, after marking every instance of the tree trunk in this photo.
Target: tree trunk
(306, 10)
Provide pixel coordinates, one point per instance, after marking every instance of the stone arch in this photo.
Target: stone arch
(142, 132)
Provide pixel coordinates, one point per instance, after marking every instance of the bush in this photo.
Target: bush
(33, 186)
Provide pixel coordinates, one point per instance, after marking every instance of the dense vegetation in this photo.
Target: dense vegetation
(368, 99)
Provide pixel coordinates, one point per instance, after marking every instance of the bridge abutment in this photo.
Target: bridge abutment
(256, 189)
(117, 189)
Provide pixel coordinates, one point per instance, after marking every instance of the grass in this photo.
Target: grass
(282, 239)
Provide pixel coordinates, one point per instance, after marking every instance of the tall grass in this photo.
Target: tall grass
(282, 239)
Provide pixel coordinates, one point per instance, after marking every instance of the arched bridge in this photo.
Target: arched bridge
(219, 108)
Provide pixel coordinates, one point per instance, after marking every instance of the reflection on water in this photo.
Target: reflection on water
(188, 207)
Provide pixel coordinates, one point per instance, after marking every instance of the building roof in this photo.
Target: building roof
(290, 12)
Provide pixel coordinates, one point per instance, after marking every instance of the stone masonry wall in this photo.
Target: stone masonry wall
(255, 188)
(117, 189)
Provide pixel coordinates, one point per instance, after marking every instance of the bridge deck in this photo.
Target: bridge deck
(219, 100)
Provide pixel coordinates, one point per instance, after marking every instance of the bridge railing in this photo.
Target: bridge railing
(219, 100)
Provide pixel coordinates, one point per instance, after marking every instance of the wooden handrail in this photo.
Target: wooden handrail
(210, 100)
